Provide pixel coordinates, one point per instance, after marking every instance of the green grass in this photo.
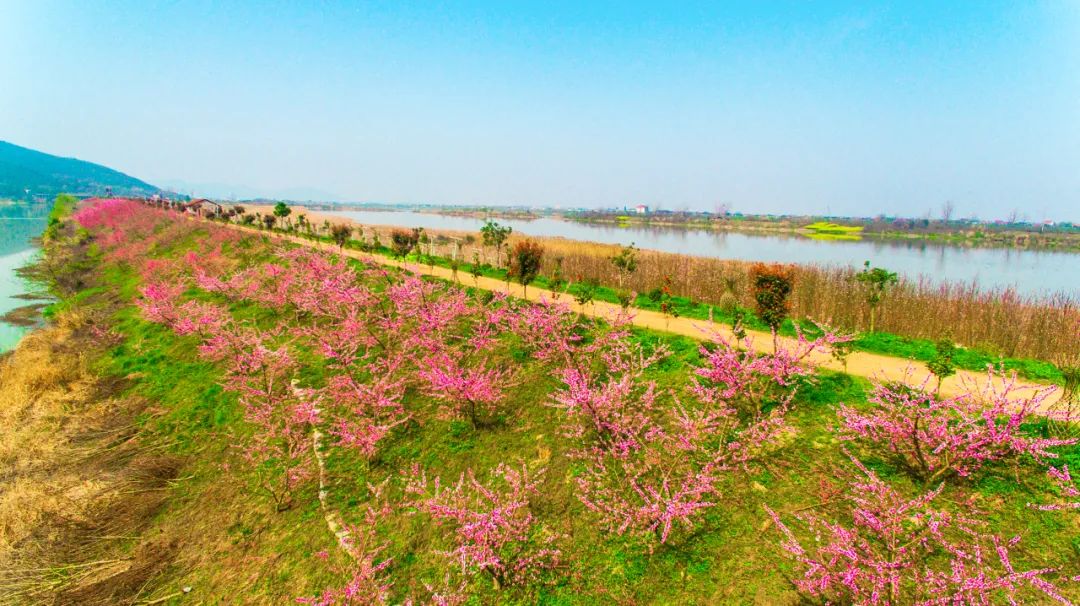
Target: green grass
(822, 230)
(62, 207)
(968, 359)
(824, 227)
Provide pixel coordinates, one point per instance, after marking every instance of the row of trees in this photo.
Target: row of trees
(771, 284)
(998, 322)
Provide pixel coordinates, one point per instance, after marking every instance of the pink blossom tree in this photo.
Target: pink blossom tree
(160, 302)
(368, 583)
(652, 462)
(645, 499)
(492, 530)
(548, 329)
(607, 406)
(613, 412)
(748, 380)
(935, 438)
(279, 444)
(261, 374)
(469, 387)
(365, 403)
(367, 570)
(894, 550)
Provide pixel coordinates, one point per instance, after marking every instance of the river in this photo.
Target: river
(19, 225)
(1030, 272)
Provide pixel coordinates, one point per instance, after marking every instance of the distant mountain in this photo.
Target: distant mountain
(23, 169)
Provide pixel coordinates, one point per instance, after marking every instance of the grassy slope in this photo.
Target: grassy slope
(236, 550)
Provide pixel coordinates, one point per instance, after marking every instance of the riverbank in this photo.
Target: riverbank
(115, 445)
(963, 234)
(985, 236)
(82, 480)
(20, 224)
(16, 304)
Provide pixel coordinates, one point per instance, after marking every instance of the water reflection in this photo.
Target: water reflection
(19, 225)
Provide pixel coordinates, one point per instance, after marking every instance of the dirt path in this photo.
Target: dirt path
(862, 364)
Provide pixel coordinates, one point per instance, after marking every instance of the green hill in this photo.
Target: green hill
(23, 169)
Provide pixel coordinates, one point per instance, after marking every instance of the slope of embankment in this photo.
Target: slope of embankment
(219, 416)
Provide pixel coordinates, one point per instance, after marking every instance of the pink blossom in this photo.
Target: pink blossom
(472, 390)
(493, 529)
(367, 584)
(901, 550)
(934, 438)
(748, 380)
(1068, 490)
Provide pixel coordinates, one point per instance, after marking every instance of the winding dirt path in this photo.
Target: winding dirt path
(859, 363)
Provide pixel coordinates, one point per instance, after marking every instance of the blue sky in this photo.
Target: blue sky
(777, 107)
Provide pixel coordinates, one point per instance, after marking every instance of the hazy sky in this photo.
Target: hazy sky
(767, 106)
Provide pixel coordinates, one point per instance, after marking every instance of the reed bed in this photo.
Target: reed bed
(1000, 321)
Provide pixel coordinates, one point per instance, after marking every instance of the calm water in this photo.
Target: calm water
(1029, 272)
(19, 224)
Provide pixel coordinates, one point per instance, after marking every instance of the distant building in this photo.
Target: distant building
(641, 209)
(202, 207)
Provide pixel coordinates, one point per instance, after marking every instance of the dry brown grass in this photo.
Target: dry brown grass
(41, 380)
(74, 479)
(90, 506)
(94, 509)
(1000, 321)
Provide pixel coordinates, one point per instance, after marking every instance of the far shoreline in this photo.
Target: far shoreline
(604, 249)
